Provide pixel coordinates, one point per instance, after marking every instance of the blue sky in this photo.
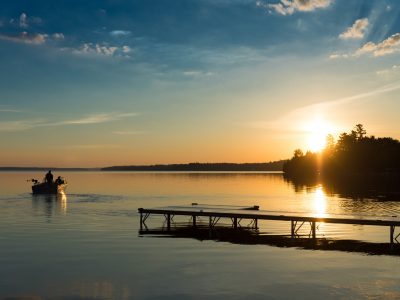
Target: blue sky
(95, 83)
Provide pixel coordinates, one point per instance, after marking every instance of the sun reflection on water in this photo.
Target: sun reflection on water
(62, 203)
(319, 202)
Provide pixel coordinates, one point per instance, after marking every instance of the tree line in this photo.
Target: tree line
(270, 166)
(354, 154)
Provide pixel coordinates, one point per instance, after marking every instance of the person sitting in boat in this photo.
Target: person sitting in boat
(49, 177)
(59, 180)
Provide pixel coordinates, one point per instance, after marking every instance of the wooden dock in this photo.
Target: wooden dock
(235, 214)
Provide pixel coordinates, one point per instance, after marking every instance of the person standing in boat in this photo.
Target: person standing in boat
(49, 177)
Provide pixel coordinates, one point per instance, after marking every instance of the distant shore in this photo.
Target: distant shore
(45, 169)
(201, 167)
(190, 167)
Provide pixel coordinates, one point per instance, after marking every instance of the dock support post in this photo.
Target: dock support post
(235, 223)
(391, 236)
(168, 222)
(313, 230)
(255, 224)
(292, 225)
(194, 220)
(141, 221)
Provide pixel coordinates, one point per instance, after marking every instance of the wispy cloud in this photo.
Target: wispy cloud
(96, 118)
(92, 146)
(9, 110)
(24, 37)
(356, 31)
(58, 36)
(20, 125)
(288, 7)
(337, 56)
(128, 132)
(197, 73)
(378, 91)
(118, 33)
(395, 69)
(100, 118)
(303, 114)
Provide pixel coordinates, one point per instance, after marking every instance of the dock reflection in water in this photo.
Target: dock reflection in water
(247, 236)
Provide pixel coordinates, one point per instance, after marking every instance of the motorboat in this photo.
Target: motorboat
(56, 187)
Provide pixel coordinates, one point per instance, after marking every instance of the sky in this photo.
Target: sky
(114, 82)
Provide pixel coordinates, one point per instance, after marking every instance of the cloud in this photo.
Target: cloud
(97, 118)
(9, 110)
(337, 56)
(126, 49)
(196, 73)
(192, 73)
(331, 117)
(58, 36)
(302, 115)
(18, 125)
(21, 125)
(387, 46)
(23, 20)
(24, 37)
(93, 119)
(288, 7)
(33, 39)
(334, 56)
(102, 50)
(128, 132)
(387, 72)
(118, 33)
(93, 146)
(356, 31)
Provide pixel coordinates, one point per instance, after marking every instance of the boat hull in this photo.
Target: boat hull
(48, 188)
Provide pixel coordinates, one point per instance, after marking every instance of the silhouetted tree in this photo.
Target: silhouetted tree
(360, 131)
(353, 153)
(298, 153)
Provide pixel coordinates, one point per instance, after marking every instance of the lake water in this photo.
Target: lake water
(86, 244)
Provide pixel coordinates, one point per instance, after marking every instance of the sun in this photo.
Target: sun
(316, 131)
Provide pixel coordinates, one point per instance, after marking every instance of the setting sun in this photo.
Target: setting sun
(317, 130)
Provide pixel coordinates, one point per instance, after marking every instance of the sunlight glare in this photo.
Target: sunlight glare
(317, 130)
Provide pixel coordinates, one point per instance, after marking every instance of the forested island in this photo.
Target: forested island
(203, 167)
(353, 153)
(355, 164)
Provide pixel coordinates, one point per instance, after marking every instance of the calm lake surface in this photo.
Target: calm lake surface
(86, 245)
